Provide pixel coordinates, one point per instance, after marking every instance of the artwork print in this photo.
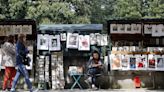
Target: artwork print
(160, 62)
(27, 29)
(132, 62)
(63, 36)
(125, 62)
(121, 28)
(72, 40)
(93, 39)
(148, 29)
(151, 62)
(113, 28)
(17, 29)
(54, 43)
(43, 42)
(84, 42)
(104, 40)
(115, 62)
(141, 61)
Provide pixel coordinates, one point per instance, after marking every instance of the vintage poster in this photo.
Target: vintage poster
(113, 28)
(17, 29)
(125, 62)
(152, 60)
(42, 42)
(27, 29)
(72, 40)
(141, 61)
(93, 39)
(136, 28)
(128, 28)
(98, 37)
(63, 36)
(160, 62)
(156, 31)
(132, 62)
(121, 28)
(148, 29)
(115, 61)
(84, 42)
(54, 43)
(104, 39)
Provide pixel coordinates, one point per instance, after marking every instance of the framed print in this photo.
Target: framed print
(72, 40)
(42, 42)
(148, 29)
(132, 48)
(84, 42)
(115, 61)
(8, 30)
(160, 62)
(152, 62)
(125, 48)
(93, 39)
(31, 63)
(156, 31)
(104, 40)
(63, 36)
(125, 62)
(54, 43)
(113, 28)
(121, 28)
(114, 48)
(141, 61)
(98, 37)
(132, 62)
(27, 29)
(136, 28)
(128, 28)
(17, 29)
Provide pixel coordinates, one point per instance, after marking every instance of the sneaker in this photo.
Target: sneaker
(34, 90)
(12, 90)
(94, 87)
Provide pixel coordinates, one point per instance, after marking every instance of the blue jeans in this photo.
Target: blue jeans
(22, 71)
(93, 72)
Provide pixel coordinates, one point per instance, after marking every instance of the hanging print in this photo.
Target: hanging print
(63, 36)
(17, 29)
(121, 28)
(72, 40)
(115, 61)
(141, 61)
(160, 62)
(93, 39)
(136, 28)
(84, 43)
(104, 40)
(113, 28)
(151, 62)
(54, 43)
(156, 31)
(2, 31)
(132, 62)
(98, 37)
(42, 43)
(148, 29)
(128, 28)
(27, 29)
(125, 62)
(8, 30)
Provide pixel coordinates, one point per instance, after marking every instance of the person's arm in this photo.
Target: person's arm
(98, 65)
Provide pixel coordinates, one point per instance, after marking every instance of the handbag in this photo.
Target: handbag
(26, 61)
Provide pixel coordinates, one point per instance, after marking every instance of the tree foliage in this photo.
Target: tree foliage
(80, 11)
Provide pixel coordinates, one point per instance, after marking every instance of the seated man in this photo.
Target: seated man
(94, 67)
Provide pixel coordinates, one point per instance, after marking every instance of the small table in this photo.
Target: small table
(76, 77)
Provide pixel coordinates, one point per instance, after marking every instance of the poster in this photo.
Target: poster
(128, 29)
(148, 29)
(98, 37)
(115, 61)
(160, 62)
(151, 62)
(121, 28)
(27, 29)
(113, 28)
(156, 31)
(93, 39)
(141, 61)
(42, 42)
(136, 28)
(132, 62)
(17, 29)
(63, 36)
(125, 62)
(104, 40)
(84, 42)
(54, 43)
(31, 63)
(72, 40)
